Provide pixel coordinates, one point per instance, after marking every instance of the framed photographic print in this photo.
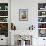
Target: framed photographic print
(23, 14)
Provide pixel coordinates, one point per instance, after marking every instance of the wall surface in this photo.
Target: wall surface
(32, 6)
(32, 13)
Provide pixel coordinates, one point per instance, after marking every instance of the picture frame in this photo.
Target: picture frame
(23, 14)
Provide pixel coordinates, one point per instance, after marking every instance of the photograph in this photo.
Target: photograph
(23, 14)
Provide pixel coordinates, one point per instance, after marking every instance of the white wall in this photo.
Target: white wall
(32, 6)
(32, 13)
